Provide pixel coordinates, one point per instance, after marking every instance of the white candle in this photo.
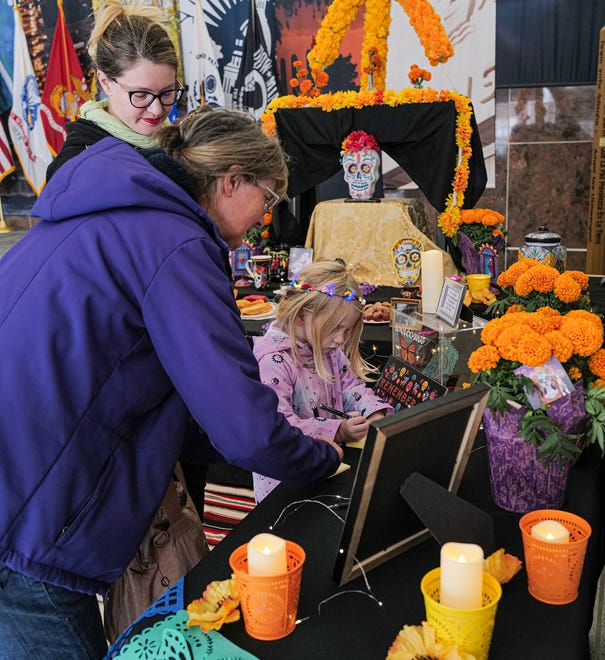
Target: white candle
(550, 531)
(431, 276)
(461, 576)
(267, 555)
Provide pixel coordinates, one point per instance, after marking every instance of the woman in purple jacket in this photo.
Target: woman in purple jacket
(118, 311)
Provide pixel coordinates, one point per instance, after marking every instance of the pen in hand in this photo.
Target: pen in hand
(338, 413)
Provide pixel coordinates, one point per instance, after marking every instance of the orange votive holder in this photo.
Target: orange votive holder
(554, 569)
(269, 603)
(471, 630)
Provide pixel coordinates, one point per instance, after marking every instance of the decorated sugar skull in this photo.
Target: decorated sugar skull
(360, 162)
(406, 259)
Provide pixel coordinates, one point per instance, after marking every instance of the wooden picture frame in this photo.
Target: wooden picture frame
(405, 306)
(434, 438)
(450, 302)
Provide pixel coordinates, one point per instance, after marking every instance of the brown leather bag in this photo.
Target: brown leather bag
(172, 546)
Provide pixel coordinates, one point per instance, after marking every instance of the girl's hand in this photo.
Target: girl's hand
(376, 415)
(352, 430)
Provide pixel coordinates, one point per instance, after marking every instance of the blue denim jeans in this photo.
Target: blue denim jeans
(39, 620)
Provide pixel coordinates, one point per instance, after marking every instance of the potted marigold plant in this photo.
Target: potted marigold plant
(479, 231)
(531, 441)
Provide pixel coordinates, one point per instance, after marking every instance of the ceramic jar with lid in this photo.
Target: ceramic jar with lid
(544, 246)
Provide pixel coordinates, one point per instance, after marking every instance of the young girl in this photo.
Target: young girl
(310, 356)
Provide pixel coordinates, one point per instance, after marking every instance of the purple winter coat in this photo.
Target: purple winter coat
(119, 323)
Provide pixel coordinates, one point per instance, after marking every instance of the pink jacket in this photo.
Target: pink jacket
(300, 389)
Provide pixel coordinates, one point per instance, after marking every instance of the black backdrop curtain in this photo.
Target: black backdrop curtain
(547, 42)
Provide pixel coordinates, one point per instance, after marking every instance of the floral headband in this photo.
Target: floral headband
(328, 290)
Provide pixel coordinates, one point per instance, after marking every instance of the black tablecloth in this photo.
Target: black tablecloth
(353, 626)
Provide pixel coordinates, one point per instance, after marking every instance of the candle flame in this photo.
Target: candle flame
(266, 550)
(550, 536)
(462, 559)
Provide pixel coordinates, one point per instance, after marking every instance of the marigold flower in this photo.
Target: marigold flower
(596, 363)
(519, 343)
(586, 315)
(580, 277)
(541, 323)
(567, 289)
(511, 274)
(574, 373)
(294, 83)
(538, 278)
(492, 330)
(583, 333)
(484, 358)
(562, 347)
(305, 86)
(321, 79)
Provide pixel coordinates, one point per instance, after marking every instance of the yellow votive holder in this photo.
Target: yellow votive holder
(471, 630)
(477, 281)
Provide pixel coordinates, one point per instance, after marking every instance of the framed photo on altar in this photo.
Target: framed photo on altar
(298, 259)
(434, 439)
(450, 302)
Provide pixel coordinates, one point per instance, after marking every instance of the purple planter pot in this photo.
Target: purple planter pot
(519, 481)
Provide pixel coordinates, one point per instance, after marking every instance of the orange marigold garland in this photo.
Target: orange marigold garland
(449, 220)
(427, 25)
(374, 49)
(341, 13)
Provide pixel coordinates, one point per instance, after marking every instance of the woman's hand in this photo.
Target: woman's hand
(352, 430)
(333, 443)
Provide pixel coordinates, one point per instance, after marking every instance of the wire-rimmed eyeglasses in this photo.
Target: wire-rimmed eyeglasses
(273, 200)
(141, 99)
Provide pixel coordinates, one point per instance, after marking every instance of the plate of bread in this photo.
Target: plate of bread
(376, 313)
(256, 309)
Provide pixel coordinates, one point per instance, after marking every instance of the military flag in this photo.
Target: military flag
(6, 160)
(65, 88)
(256, 83)
(25, 121)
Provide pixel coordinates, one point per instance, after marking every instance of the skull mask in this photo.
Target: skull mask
(361, 172)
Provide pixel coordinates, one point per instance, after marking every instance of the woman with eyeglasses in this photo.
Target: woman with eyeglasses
(136, 65)
(119, 311)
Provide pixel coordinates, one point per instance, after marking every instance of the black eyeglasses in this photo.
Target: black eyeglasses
(140, 99)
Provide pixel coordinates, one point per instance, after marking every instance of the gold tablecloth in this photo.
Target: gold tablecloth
(363, 235)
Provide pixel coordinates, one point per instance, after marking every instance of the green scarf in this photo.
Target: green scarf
(96, 112)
